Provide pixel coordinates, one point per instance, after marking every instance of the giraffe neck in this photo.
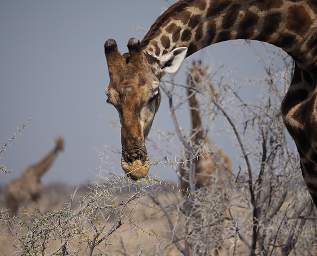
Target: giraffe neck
(40, 168)
(290, 25)
(197, 132)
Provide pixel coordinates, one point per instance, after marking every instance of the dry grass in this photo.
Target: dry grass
(60, 213)
(137, 222)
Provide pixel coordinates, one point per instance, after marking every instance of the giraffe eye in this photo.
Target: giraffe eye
(155, 94)
(108, 100)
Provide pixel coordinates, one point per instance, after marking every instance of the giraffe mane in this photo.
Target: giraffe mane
(163, 19)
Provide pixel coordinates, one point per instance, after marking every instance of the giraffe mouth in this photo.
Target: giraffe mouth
(137, 169)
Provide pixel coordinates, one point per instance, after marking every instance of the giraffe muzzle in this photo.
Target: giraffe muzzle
(137, 169)
(135, 163)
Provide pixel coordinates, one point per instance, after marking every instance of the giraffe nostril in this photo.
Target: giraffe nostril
(134, 154)
(130, 158)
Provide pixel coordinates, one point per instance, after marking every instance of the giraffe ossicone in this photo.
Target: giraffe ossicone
(190, 25)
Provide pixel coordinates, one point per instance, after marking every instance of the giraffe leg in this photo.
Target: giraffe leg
(299, 109)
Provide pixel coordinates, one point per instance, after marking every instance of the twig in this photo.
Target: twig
(175, 120)
(170, 223)
(278, 230)
(125, 253)
(19, 130)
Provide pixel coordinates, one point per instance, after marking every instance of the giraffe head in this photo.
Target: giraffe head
(59, 144)
(134, 92)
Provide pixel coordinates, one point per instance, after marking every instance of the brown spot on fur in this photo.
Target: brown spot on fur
(199, 32)
(313, 71)
(210, 33)
(308, 78)
(313, 156)
(310, 168)
(186, 35)
(157, 48)
(163, 19)
(171, 28)
(217, 7)
(264, 5)
(298, 20)
(183, 16)
(314, 51)
(312, 41)
(176, 34)
(292, 99)
(165, 42)
(270, 24)
(151, 60)
(286, 40)
(297, 55)
(223, 36)
(231, 16)
(311, 187)
(313, 5)
(194, 21)
(192, 49)
(308, 164)
(247, 25)
(302, 142)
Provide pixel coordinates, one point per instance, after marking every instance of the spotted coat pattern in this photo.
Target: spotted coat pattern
(288, 24)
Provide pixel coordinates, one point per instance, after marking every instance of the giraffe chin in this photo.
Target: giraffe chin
(136, 170)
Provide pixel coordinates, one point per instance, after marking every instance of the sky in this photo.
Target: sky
(53, 77)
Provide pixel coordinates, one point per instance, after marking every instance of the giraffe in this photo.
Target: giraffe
(27, 187)
(190, 25)
(211, 165)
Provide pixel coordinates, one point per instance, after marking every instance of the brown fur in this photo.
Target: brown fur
(27, 187)
(127, 94)
(298, 20)
(280, 22)
(195, 24)
(299, 111)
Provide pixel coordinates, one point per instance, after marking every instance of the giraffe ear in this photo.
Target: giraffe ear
(171, 62)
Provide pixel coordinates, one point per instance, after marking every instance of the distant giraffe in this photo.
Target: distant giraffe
(27, 187)
(190, 25)
(209, 168)
(211, 165)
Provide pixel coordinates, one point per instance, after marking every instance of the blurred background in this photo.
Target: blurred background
(53, 76)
